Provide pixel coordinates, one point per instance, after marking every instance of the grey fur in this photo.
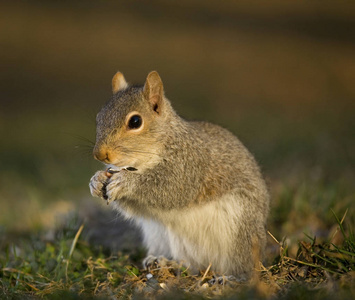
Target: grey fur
(197, 194)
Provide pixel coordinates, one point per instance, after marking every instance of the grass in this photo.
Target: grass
(64, 264)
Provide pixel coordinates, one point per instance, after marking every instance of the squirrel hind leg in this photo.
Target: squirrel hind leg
(155, 238)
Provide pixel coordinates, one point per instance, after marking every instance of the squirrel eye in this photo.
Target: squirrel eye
(135, 122)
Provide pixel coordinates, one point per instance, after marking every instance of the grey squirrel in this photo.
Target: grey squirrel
(192, 187)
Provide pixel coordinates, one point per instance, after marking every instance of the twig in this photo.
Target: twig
(274, 238)
(309, 264)
(131, 272)
(204, 275)
(72, 249)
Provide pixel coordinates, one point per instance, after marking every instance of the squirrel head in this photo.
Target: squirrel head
(130, 128)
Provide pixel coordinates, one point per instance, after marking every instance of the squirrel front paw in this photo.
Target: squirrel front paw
(98, 184)
(106, 186)
(113, 186)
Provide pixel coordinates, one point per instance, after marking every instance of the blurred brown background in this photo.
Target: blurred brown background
(280, 75)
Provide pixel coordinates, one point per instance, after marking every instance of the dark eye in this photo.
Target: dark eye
(135, 122)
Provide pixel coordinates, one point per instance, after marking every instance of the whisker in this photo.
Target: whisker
(83, 151)
(84, 146)
(82, 138)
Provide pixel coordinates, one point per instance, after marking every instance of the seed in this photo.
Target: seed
(131, 169)
(110, 172)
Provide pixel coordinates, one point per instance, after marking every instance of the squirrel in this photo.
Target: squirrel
(192, 187)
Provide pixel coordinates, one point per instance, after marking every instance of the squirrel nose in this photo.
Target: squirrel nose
(101, 154)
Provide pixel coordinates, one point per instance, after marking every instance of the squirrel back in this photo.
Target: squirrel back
(197, 193)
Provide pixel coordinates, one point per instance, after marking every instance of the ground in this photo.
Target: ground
(278, 76)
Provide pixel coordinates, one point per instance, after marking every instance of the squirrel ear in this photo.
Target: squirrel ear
(118, 82)
(153, 91)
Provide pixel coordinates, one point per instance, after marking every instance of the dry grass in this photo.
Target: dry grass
(68, 266)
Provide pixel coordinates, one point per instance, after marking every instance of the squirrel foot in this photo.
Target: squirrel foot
(151, 262)
(226, 280)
